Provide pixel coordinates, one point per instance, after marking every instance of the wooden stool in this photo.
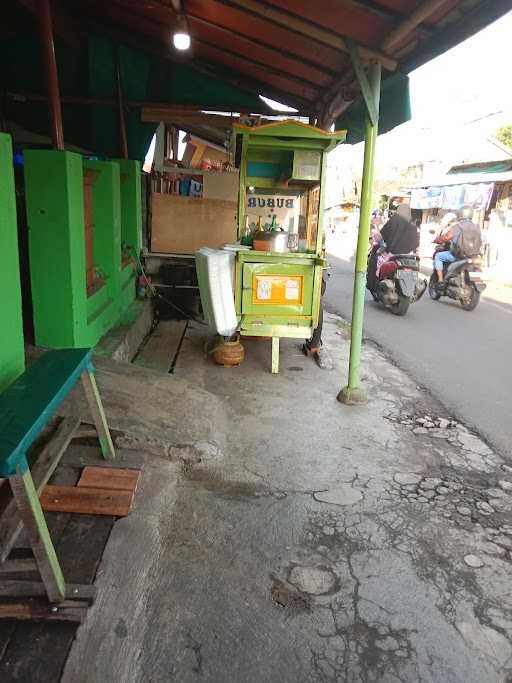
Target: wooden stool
(25, 408)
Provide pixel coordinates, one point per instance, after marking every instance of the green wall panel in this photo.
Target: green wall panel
(64, 316)
(55, 216)
(12, 358)
(131, 225)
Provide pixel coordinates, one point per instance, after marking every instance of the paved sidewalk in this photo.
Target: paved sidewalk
(281, 536)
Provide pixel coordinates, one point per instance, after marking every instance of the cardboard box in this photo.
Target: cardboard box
(182, 225)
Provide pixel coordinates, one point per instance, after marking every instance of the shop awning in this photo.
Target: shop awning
(293, 51)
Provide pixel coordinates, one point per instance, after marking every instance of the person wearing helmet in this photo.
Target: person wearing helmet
(454, 233)
(445, 233)
(398, 236)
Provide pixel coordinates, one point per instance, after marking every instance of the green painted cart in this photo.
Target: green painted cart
(282, 187)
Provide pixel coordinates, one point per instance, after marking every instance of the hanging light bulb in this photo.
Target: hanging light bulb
(181, 36)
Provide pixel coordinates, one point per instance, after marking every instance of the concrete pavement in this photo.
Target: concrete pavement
(464, 358)
(281, 536)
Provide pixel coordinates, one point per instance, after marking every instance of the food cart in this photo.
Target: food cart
(280, 215)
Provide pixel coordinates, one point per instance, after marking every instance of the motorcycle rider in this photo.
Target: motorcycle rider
(455, 235)
(445, 233)
(399, 236)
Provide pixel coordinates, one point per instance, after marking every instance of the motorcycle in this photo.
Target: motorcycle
(399, 284)
(462, 281)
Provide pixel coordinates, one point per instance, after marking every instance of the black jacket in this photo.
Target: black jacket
(400, 235)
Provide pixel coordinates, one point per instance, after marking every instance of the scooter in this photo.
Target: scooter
(462, 281)
(399, 284)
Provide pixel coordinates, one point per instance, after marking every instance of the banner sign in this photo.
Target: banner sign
(475, 195)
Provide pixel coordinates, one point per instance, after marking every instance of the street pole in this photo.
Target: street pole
(52, 78)
(353, 393)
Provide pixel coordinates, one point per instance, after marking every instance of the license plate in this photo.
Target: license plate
(475, 274)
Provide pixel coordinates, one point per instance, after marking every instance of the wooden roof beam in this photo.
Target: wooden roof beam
(167, 109)
(391, 15)
(250, 60)
(294, 23)
(63, 23)
(364, 84)
(245, 83)
(193, 18)
(409, 25)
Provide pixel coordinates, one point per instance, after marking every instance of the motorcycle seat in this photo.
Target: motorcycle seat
(406, 260)
(455, 265)
(406, 256)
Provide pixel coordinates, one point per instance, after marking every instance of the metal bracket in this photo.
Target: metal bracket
(369, 96)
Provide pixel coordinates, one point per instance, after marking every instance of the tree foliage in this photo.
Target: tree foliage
(504, 135)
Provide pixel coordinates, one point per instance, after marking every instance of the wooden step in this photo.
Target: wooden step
(87, 501)
(162, 346)
(113, 479)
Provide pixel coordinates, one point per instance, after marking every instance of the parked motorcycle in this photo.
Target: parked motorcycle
(399, 284)
(462, 281)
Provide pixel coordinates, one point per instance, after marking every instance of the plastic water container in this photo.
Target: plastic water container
(215, 269)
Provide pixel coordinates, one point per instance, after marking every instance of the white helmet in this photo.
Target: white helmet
(448, 218)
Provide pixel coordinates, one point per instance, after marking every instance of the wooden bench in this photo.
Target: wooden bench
(26, 406)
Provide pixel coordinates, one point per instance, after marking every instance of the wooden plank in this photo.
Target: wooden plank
(71, 611)
(98, 414)
(82, 500)
(34, 524)
(40, 650)
(182, 225)
(42, 470)
(221, 186)
(17, 566)
(17, 588)
(81, 456)
(162, 346)
(110, 478)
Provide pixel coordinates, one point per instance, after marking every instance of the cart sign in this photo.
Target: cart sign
(262, 202)
(277, 289)
(284, 207)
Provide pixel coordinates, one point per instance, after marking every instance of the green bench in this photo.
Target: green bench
(25, 408)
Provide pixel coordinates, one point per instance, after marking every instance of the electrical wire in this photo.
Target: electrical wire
(157, 294)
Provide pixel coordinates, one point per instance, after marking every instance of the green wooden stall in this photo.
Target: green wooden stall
(282, 164)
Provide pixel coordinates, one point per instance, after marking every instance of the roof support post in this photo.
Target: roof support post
(52, 78)
(123, 141)
(370, 99)
(352, 393)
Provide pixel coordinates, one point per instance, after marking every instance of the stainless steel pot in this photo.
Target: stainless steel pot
(270, 241)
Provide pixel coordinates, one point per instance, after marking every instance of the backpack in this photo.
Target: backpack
(468, 240)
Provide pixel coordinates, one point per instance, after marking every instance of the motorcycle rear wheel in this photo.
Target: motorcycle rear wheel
(471, 303)
(432, 288)
(402, 306)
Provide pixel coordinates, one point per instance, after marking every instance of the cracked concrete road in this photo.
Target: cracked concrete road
(463, 358)
(280, 536)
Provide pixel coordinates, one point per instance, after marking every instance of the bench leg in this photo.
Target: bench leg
(34, 522)
(96, 407)
(275, 355)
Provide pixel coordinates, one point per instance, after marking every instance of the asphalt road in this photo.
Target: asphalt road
(463, 358)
